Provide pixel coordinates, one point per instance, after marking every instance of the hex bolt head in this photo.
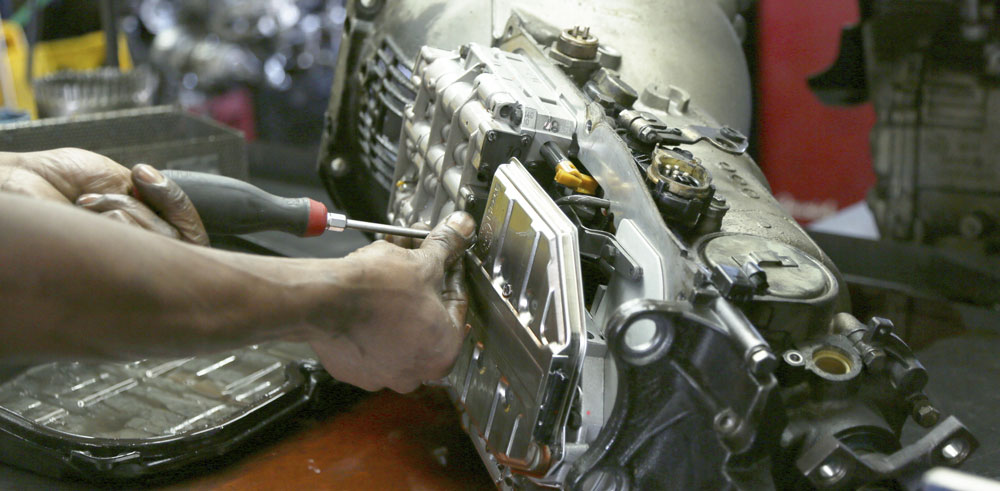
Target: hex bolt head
(925, 414)
(762, 362)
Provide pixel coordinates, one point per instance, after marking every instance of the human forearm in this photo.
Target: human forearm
(75, 284)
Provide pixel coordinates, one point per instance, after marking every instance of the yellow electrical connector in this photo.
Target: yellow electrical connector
(568, 175)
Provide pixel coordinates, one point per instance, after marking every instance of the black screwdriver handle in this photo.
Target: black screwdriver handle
(229, 206)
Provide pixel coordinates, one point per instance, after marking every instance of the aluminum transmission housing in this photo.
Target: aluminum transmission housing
(643, 313)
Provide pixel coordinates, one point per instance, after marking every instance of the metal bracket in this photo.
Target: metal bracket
(608, 252)
(649, 129)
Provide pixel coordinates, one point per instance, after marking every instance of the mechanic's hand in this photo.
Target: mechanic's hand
(403, 315)
(163, 209)
(62, 174)
(407, 242)
(95, 182)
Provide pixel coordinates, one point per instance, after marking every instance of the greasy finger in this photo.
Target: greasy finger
(450, 238)
(121, 216)
(140, 214)
(399, 240)
(167, 199)
(456, 297)
(408, 242)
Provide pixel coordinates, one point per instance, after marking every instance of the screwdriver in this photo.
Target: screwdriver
(229, 206)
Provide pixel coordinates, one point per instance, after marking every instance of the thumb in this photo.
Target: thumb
(168, 200)
(452, 236)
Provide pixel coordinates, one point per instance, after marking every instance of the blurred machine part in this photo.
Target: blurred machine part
(281, 52)
(212, 44)
(644, 314)
(70, 92)
(932, 69)
(67, 93)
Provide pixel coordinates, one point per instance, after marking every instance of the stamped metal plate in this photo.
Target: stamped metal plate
(515, 376)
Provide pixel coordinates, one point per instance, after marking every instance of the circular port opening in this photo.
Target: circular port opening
(641, 335)
(831, 471)
(831, 361)
(955, 450)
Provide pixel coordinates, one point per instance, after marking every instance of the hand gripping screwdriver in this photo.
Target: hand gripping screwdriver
(229, 206)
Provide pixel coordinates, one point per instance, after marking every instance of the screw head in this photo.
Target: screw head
(506, 290)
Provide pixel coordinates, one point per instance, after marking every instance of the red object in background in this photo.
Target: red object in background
(816, 157)
(233, 108)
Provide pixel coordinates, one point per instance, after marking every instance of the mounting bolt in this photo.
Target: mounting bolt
(491, 136)
(467, 195)
(924, 413)
(727, 422)
(506, 290)
(762, 362)
(339, 167)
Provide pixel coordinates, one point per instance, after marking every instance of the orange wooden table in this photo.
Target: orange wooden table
(383, 441)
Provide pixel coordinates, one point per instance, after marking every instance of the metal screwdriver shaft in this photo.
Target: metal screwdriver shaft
(338, 222)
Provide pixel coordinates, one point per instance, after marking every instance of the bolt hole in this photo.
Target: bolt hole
(831, 472)
(832, 361)
(725, 421)
(955, 450)
(794, 358)
(641, 335)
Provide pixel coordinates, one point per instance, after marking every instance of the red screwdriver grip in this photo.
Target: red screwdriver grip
(317, 219)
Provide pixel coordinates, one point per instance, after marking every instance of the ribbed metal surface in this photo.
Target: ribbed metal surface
(92, 91)
(387, 90)
(150, 398)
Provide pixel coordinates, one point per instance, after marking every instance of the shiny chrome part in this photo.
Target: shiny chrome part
(517, 372)
(336, 222)
(381, 228)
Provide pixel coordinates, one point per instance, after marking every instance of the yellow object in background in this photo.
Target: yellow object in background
(77, 53)
(17, 61)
